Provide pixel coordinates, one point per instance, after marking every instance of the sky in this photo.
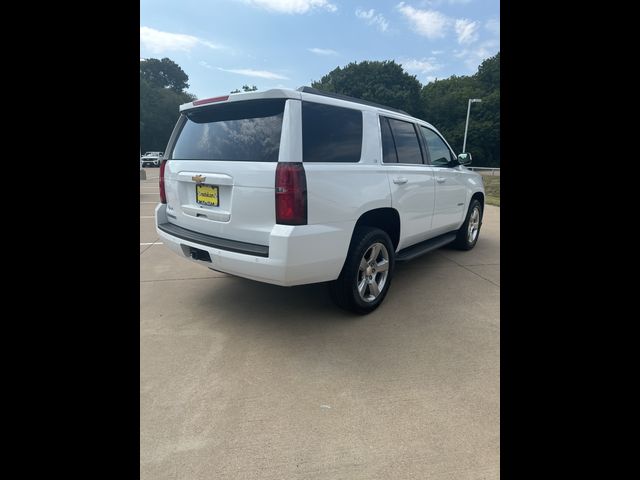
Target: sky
(224, 44)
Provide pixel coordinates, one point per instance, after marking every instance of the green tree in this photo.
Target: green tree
(489, 72)
(444, 103)
(159, 107)
(164, 73)
(381, 82)
(246, 88)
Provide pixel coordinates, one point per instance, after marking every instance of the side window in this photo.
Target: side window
(406, 141)
(331, 134)
(439, 153)
(389, 154)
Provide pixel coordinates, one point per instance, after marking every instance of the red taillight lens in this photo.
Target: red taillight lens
(291, 194)
(211, 100)
(163, 195)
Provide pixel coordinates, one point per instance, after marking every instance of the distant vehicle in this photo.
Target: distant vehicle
(152, 159)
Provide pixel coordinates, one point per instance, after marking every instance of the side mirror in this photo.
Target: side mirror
(464, 158)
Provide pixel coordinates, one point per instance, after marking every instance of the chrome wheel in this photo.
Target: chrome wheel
(474, 225)
(373, 272)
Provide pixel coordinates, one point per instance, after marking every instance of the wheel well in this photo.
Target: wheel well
(480, 198)
(386, 219)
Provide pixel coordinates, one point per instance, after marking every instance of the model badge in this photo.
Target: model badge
(199, 179)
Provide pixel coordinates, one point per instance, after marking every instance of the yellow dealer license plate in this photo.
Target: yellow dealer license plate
(207, 195)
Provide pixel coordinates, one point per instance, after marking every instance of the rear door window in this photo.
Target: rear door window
(406, 141)
(331, 134)
(238, 131)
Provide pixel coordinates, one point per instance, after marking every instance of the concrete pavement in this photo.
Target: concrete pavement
(243, 380)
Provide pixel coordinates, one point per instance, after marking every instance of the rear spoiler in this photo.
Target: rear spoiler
(241, 97)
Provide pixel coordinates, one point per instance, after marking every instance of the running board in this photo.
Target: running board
(421, 248)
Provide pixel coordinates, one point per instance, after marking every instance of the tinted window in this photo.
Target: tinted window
(240, 131)
(439, 153)
(407, 146)
(388, 146)
(331, 134)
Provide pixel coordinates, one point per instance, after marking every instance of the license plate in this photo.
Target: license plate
(207, 195)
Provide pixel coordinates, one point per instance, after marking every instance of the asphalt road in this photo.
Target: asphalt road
(243, 380)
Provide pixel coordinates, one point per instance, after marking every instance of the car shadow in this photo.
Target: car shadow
(262, 302)
(249, 301)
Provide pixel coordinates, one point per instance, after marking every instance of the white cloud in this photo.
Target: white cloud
(322, 51)
(373, 18)
(467, 31)
(493, 25)
(440, 2)
(292, 6)
(422, 66)
(158, 42)
(472, 57)
(255, 73)
(429, 23)
(433, 24)
(437, 52)
(204, 64)
(365, 14)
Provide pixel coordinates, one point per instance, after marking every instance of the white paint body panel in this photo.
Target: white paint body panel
(450, 197)
(338, 194)
(414, 200)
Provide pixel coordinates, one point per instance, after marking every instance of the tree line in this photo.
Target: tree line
(162, 91)
(443, 103)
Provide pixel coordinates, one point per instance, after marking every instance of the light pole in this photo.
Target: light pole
(466, 127)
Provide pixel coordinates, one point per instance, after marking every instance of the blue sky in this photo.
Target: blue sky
(223, 44)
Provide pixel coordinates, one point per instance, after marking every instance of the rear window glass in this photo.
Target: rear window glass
(238, 131)
(331, 134)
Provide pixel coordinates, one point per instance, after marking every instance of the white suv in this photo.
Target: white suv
(301, 186)
(151, 159)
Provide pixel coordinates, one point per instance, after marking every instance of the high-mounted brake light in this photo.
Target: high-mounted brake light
(291, 194)
(163, 195)
(210, 100)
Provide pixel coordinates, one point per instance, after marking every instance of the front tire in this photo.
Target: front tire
(469, 232)
(366, 275)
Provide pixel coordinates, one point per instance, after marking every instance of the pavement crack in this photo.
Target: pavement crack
(475, 273)
(149, 246)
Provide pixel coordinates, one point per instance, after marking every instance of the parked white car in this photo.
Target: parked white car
(292, 187)
(152, 159)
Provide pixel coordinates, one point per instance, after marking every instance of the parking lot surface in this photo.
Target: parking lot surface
(243, 380)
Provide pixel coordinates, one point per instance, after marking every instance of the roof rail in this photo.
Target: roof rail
(340, 96)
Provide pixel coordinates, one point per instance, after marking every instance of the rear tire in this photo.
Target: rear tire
(366, 275)
(469, 232)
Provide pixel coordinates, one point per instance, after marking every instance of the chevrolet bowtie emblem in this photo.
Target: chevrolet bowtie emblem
(198, 179)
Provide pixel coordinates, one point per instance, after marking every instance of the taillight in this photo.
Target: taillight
(163, 195)
(211, 100)
(291, 194)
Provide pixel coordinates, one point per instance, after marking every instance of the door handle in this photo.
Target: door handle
(400, 180)
(441, 179)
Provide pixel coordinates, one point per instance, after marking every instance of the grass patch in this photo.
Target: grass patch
(492, 189)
